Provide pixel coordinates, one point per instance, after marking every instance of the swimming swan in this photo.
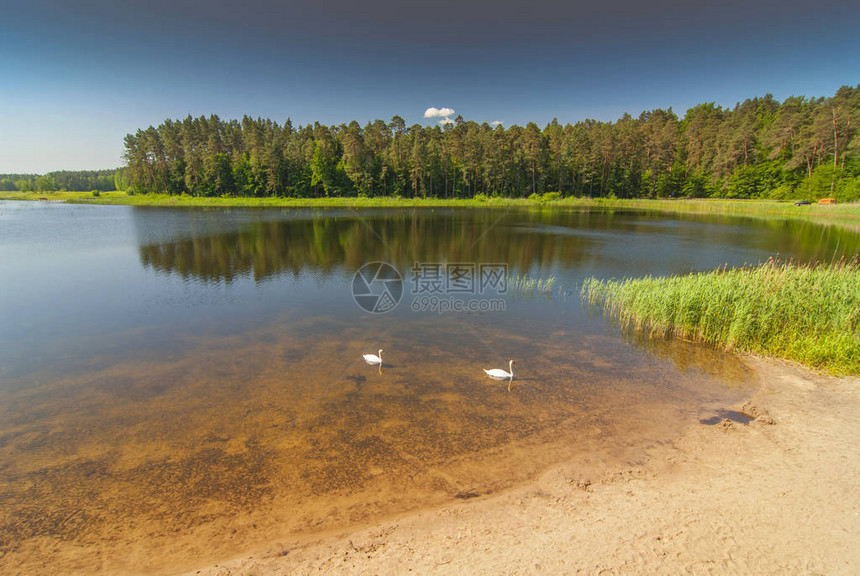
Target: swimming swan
(499, 373)
(373, 359)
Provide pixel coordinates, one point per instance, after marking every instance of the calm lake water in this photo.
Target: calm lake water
(178, 386)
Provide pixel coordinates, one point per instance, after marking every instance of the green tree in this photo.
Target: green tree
(533, 148)
(45, 184)
(760, 148)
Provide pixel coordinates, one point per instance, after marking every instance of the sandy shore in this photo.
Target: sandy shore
(778, 494)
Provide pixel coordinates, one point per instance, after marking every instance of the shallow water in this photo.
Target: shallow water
(178, 386)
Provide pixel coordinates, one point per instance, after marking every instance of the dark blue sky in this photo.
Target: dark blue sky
(76, 76)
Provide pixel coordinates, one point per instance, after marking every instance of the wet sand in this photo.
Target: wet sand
(774, 494)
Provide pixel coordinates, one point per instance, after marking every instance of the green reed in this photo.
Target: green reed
(806, 313)
(526, 285)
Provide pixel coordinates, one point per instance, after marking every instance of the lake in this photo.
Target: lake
(178, 386)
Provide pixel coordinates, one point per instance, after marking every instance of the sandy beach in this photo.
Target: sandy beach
(769, 487)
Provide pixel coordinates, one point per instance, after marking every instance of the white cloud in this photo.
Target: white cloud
(496, 123)
(438, 113)
(444, 121)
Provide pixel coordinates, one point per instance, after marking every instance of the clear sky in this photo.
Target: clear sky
(77, 75)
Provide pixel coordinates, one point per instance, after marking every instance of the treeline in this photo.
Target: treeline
(801, 147)
(80, 180)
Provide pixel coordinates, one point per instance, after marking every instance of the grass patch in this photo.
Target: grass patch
(734, 206)
(843, 215)
(88, 196)
(809, 314)
(121, 198)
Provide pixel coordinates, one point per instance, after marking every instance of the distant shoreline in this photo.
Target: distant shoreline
(712, 204)
(844, 215)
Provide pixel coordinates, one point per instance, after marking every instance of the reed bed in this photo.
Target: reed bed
(526, 285)
(806, 313)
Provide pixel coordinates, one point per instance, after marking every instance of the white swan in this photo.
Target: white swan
(373, 359)
(501, 374)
